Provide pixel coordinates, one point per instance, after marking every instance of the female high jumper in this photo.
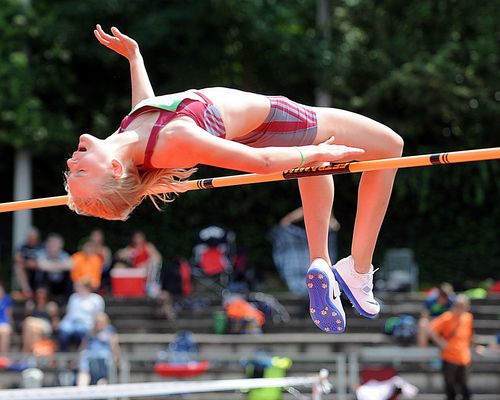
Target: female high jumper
(163, 138)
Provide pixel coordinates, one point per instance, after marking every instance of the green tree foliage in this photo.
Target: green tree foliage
(428, 69)
(32, 76)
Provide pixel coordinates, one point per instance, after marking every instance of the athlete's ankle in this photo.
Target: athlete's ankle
(361, 266)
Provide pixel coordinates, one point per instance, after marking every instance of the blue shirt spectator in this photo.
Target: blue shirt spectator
(5, 309)
(100, 349)
(55, 263)
(25, 263)
(81, 311)
(5, 320)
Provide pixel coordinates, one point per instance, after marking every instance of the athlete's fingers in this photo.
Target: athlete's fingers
(100, 38)
(122, 36)
(103, 34)
(343, 152)
(117, 33)
(355, 150)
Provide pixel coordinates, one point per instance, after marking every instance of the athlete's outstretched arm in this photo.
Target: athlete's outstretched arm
(128, 48)
(187, 145)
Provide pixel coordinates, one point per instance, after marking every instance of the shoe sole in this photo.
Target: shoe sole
(324, 313)
(351, 297)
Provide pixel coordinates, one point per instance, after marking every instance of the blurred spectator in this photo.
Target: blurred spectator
(453, 332)
(97, 238)
(25, 262)
(42, 319)
(5, 320)
(438, 301)
(141, 253)
(291, 251)
(176, 282)
(298, 215)
(83, 306)
(55, 264)
(99, 349)
(87, 264)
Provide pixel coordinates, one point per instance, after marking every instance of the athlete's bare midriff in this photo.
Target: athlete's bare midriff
(242, 112)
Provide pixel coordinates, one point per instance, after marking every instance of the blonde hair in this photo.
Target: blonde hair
(118, 197)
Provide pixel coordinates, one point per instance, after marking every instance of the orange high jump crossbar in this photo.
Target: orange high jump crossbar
(332, 169)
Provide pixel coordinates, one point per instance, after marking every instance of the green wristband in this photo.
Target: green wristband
(302, 158)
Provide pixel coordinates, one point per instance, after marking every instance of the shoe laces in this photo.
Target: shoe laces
(367, 280)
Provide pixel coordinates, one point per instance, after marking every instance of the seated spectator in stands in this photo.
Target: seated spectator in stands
(87, 264)
(438, 301)
(83, 305)
(141, 253)
(42, 319)
(55, 263)
(25, 262)
(99, 349)
(5, 320)
(97, 238)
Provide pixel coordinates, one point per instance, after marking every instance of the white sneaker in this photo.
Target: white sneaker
(325, 306)
(357, 287)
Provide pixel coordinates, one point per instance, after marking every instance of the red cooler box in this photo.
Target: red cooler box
(128, 282)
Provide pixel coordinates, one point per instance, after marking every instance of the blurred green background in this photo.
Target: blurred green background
(429, 69)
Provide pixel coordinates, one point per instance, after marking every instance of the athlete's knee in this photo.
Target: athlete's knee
(393, 144)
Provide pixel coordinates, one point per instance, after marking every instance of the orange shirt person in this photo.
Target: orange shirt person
(453, 332)
(87, 263)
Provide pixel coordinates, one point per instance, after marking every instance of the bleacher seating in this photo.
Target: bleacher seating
(143, 332)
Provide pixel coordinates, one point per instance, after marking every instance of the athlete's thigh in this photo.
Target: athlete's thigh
(355, 130)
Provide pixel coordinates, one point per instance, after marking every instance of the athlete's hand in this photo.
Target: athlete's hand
(118, 42)
(329, 151)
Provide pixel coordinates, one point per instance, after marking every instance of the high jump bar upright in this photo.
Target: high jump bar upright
(424, 160)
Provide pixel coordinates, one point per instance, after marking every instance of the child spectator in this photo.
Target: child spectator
(87, 264)
(55, 264)
(99, 350)
(42, 319)
(5, 320)
(25, 262)
(83, 306)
